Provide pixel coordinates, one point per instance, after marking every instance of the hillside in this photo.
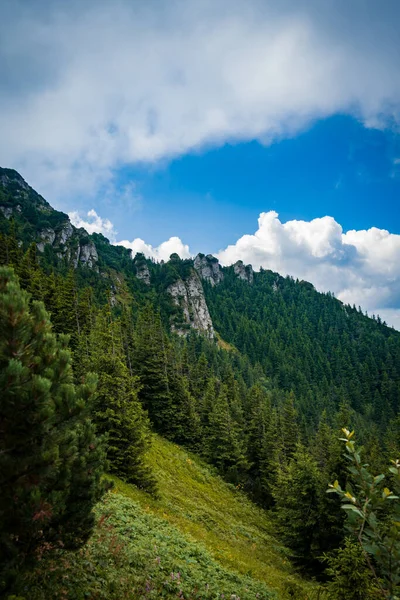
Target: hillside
(254, 374)
(199, 527)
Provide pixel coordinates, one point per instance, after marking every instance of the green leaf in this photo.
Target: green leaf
(352, 508)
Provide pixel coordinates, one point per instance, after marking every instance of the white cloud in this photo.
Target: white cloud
(117, 83)
(360, 267)
(161, 252)
(93, 223)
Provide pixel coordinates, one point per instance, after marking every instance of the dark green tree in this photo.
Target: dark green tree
(296, 504)
(117, 411)
(51, 460)
(150, 364)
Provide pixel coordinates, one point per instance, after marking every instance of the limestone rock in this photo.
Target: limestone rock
(209, 268)
(65, 233)
(142, 270)
(7, 211)
(88, 255)
(244, 272)
(189, 296)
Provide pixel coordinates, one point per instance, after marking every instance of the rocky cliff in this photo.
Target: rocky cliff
(40, 223)
(243, 271)
(188, 295)
(208, 268)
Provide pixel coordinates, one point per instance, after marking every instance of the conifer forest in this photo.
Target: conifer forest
(180, 429)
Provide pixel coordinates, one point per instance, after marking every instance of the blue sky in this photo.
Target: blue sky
(210, 198)
(263, 131)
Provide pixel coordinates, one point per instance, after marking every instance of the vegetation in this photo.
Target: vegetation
(262, 406)
(51, 460)
(199, 527)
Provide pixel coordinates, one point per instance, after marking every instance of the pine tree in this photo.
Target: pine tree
(258, 443)
(296, 504)
(225, 442)
(50, 458)
(150, 364)
(118, 412)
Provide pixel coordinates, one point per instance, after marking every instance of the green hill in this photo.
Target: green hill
(205, 530)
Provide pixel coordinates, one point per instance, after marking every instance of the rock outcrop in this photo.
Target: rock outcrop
(209, 268)
(72, 244)
(244, 272)
(142, 269)
(88, 255)
(53, 227)
(7, 211)
(189, 296)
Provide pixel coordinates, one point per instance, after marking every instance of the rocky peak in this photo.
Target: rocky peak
(244, 272)
(142, 269)
(188, 294)
(9, 177)
(209, 268)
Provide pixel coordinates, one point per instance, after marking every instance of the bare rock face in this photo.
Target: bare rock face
(189, 296)
(88, 255)
(7, 211)
(66, 232)
(143, 273)
(209, 268)
(244, 272)
(68, 245)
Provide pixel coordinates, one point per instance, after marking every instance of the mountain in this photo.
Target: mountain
(253, 372)
(301, 340)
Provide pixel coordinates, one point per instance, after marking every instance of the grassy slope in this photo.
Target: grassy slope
(200, 539)
(201, 505)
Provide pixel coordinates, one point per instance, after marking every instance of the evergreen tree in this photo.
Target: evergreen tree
(296, 504)
(225, 443)
(150, 364)
(50, 458)
(350, 577)
(118, 412)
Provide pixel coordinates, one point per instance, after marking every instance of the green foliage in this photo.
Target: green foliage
(225, 447)
(117, 410)
(373, 515)
(312, 344)
(150, 364)
(51, 460)
(198, 526)
(297, 514)
(350, 576)
(137, 555)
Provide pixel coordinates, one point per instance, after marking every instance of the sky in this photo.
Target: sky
(262, 131)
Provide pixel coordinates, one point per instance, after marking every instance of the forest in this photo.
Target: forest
(294, 403)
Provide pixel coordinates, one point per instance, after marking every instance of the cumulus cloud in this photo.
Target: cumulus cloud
(90, 86)
(161, 252)
(360, 267)
(93, 223)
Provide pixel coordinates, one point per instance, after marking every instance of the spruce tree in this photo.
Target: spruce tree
(225, 442)
(150, 364)
(296, 503)
(117, 411)
(51, 460)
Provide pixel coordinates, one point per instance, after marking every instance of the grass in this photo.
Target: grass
(200, 539)
(201, 505)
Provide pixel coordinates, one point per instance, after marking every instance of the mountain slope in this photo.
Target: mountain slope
(200, 527)
(301, 340)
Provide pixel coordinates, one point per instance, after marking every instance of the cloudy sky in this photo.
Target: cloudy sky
(261, 130)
